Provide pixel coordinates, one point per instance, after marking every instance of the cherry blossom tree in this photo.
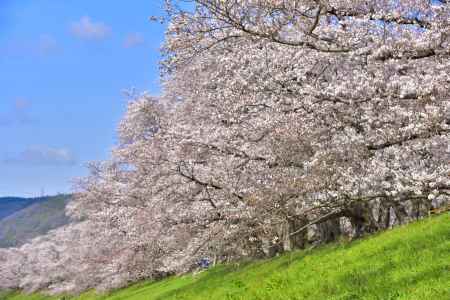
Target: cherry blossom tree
(317, 109)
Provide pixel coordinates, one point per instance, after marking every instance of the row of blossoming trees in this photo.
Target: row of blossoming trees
(281, 123)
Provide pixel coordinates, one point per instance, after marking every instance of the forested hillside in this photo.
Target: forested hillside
(10, 205)
(34, 220)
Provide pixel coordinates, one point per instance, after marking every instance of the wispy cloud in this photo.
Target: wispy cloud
(21, 104)
(46, 44)
(19, 114)
(43, 45)
(42, 156)
(87, 29)
(133, 40)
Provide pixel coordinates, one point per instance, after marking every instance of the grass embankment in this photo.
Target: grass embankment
(410, 262)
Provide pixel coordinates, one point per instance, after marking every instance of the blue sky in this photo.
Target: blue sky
(63, 68)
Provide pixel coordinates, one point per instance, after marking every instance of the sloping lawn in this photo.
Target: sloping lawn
(410, 262)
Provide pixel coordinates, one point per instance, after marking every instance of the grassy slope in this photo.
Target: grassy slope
(411, 262)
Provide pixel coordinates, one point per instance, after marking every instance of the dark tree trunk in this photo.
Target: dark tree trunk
(329, 231)
(362, 219)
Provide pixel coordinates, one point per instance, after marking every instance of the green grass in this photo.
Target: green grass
(410, 262)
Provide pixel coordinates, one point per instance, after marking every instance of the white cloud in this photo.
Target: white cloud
(46, 44)
(87, 29)
(41, 46)
(133, 40)
(19, 114)
(42, 155)
(21, 104)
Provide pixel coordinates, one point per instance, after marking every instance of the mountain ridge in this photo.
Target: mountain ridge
(10, 205)
(36, 217)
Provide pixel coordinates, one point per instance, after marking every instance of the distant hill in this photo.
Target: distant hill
(9, 205)
(31, 218)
